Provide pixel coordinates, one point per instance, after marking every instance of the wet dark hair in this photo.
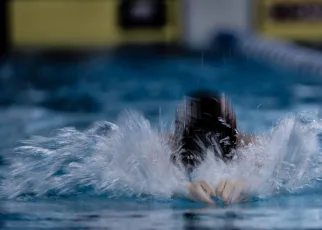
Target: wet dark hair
(205, 120)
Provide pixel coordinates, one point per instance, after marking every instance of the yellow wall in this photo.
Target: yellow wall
(292, 30)
(79, 23)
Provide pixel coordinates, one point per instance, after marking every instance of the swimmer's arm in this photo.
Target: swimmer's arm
(233, 191)
(229, 191)
(199, 191)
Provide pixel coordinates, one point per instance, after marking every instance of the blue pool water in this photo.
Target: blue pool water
(82, 177)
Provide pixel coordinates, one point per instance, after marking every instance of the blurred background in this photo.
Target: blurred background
(73, 62)
(76, 62)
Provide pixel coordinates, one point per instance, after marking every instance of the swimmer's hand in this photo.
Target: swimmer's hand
(200, 191)
(229, 191)
(232, 191)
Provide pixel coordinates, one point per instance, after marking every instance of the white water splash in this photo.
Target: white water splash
(123, 160)
(130, 158)
(285, 159)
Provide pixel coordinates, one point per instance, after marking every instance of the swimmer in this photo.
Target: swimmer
(206, 120)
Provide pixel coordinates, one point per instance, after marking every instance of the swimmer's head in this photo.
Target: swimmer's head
(205, 120)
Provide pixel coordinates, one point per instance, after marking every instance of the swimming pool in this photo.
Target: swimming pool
(40, 95)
